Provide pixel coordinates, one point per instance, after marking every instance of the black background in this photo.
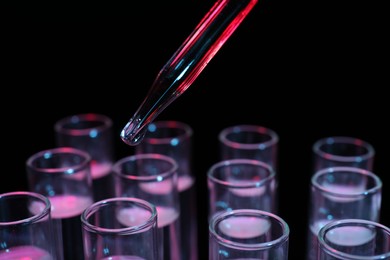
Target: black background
(306, 69)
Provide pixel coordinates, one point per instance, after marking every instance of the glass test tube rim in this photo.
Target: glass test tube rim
(48, 153)
(345, 222)
(345, 140)
(249, 162)
(252, 212)
(46, 211)
(105, 123)
(274, 137)
(187, 131)
(333, 170)
(92, 209)
(116, 168)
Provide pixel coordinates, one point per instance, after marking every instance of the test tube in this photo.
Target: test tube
(340, 193)
(93, 134)
(120, 228)
(240, 184)
(63, 174)
(27, 229)
(153, 177)
(174, 139)
(248, 234)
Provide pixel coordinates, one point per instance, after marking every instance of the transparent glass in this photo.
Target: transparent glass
(26, 228)
(249, 142)
(354, 239)
(343, 151)
(240, 184)
(174, 139)
(153, 177)
(187, 63)
(64, 175)
(120, 228)
(92, 133)
(248, 234)
(339, 193)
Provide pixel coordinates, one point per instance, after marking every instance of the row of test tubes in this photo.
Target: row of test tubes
(85, 204)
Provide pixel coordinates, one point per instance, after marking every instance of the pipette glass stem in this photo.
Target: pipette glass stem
(187, 63)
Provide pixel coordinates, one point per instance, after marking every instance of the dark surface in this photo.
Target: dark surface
(304, 69)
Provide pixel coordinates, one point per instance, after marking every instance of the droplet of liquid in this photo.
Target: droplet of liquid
(133, 133)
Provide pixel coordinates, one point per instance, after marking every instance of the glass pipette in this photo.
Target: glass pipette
(187, 63)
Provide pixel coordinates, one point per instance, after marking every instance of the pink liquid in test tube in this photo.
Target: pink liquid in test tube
(25, 253)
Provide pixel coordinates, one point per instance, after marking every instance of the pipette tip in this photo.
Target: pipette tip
(131, 134)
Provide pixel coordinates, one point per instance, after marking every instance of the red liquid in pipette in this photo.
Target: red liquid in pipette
(187, 63)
